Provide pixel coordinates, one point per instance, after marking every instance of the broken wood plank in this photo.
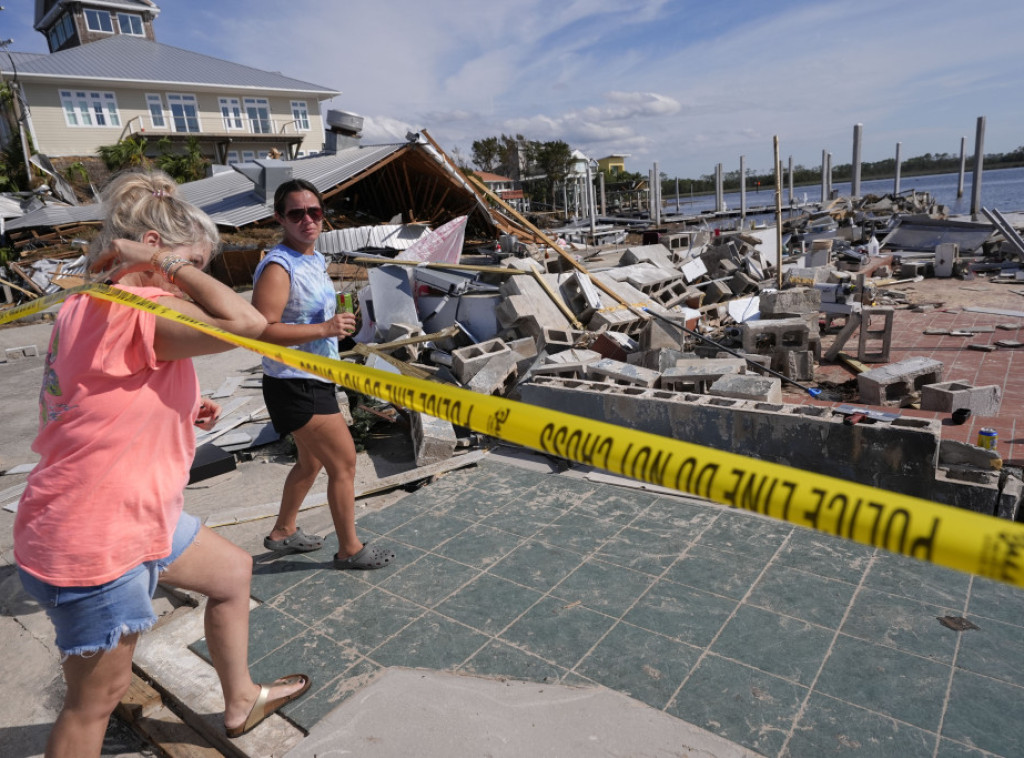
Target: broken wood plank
(142, 708)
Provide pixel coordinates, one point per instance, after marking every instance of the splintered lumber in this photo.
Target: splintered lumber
(144, 711)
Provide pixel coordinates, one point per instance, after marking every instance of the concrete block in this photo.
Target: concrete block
(581, 295)
(657, 333)
(741, 283)
(25, 351)
(947, 397)
(698, 375)
(748, 387)
(468, 361)
(555, 340)
(540, 310)
(953, 453)
(399, 331)
(775, 337)
(433, 438)
(497, 377)
(892, 384)
(716, 292)
(780, 303)
(622, 373)
(658, 360)
(657, 254)
(799, 365)
(874, 339)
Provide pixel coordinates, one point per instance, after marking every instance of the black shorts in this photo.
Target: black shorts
(291, 403)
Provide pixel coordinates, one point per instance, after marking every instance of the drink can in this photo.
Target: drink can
(345, 304)
(987, 438)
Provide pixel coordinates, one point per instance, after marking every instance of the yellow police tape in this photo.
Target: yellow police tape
(931, 532)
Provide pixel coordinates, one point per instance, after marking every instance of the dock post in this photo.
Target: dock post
(792, 199)
(778, 214)
(963, 161)
(899, 166)
(824, 181)
(743, 190)
(858, 134)
(979, 160)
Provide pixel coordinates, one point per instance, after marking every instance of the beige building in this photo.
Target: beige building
(106, 77)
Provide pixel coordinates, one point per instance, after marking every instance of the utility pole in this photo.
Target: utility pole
(20, 106)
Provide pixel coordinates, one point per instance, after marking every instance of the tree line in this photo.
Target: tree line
(541, 166)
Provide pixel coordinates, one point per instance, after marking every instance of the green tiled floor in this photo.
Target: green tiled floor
(787, 641)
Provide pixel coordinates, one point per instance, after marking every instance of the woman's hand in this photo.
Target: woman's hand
(209, 414)
(123, 257)
(340, 325)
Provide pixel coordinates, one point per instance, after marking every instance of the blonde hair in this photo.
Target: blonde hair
(136, 202)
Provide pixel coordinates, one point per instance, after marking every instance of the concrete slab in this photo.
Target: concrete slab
(444, 715)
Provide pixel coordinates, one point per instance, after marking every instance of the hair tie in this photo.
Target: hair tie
(159, 193)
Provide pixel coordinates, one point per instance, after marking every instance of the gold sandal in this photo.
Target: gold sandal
(264, 706)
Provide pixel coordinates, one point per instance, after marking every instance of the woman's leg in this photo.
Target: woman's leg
(95, 685)
(222, 571)
(327, 440)
(297, 485)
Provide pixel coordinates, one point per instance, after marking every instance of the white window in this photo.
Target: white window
(155, 104)
(130, 24)
(232, 156)
(231, 110)
(184, 113)
(258, 111)
(248, 156)
(301, 115)
(89, 108)
(99, 21)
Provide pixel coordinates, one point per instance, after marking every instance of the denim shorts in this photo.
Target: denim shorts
(92, 619)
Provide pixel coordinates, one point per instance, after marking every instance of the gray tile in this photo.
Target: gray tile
(745, 534)
(269, 629)
(384, 520)
(578, 533)
(603, 587)
(617, 504)
(430, 580)
(557, 632)
(369, 620)
(480, 546)
(888, 681)
(315, 655)
(524, 519)
(675, 518)
(561, 491)
(429, 530)
(500, 475)
(902, 623)
(716, 571)
(642, 550)
(644, 665)
(502, 660)
(928, 583)
(804, 596)
(996, 600)
(476, 504)
(982, 713)
(681, 612)
(537, 565)
(950, 749)
(277, 575)
(489, 603)
(834, 728)
(431, 641)
(742, 704)
(325, 697)
(822, 554)
(995, 650)
(320, 595)
(780, 645)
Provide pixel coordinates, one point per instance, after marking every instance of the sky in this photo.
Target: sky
(684, 84)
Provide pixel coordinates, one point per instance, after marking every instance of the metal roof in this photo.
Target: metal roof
(126, 59)
(230, 198)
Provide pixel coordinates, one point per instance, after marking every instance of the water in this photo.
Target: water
(1001, 189)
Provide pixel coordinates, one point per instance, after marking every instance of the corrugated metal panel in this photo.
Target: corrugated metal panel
(384, 236)
(123, 58)
(230, 198)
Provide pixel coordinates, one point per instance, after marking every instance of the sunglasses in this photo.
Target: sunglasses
(295, 215)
